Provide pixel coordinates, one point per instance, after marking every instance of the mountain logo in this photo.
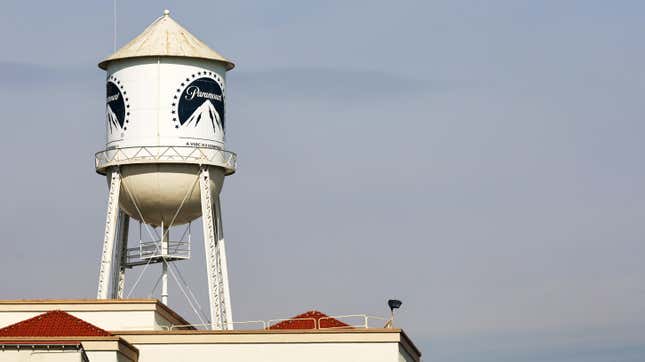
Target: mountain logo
(116, 106)
(204, 112)
(199, 100)
(112, 119)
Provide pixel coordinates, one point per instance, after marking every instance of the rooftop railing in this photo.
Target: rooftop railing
(352, 321)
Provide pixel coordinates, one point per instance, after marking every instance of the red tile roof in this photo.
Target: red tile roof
(53, 324)
(312, 319)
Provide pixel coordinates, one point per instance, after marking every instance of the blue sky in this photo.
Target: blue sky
(482, 161)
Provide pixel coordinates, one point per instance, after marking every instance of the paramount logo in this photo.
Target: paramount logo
(194, 91)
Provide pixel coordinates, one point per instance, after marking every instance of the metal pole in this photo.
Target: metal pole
(105, 270)
(164, 265)
(114, 45)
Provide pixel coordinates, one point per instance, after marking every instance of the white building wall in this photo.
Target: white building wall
(105, 356)
(119, 320)
(284, 352)
(29, 355)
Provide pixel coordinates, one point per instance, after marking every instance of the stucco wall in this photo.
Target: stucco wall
(29, 355)
(104, 356)
(311, 352)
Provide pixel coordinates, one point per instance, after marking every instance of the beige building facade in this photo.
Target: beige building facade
(144, 330)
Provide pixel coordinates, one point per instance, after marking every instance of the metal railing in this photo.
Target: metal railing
(259, 323)
(363, 321)
(273, 322)
(133, 257)
(154, 249)
(165, 154)
(151, 252)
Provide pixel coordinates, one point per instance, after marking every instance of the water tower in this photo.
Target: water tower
(165, 157)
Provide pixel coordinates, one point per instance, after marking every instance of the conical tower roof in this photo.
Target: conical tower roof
(165, 37)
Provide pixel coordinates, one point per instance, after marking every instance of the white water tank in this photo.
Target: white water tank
(165, 119)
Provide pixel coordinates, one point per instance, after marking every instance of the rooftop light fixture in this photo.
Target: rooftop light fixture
(393, 304)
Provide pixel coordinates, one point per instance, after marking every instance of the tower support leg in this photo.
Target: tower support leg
(105, 270)
(216, 280)
(120, 256)
(223, 265)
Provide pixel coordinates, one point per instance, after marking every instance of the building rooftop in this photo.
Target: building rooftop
(142, 330)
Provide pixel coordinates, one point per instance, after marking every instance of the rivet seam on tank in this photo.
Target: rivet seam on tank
(199, 96)
(117, 106)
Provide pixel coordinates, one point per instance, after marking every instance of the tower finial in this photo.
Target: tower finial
(166, 12)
